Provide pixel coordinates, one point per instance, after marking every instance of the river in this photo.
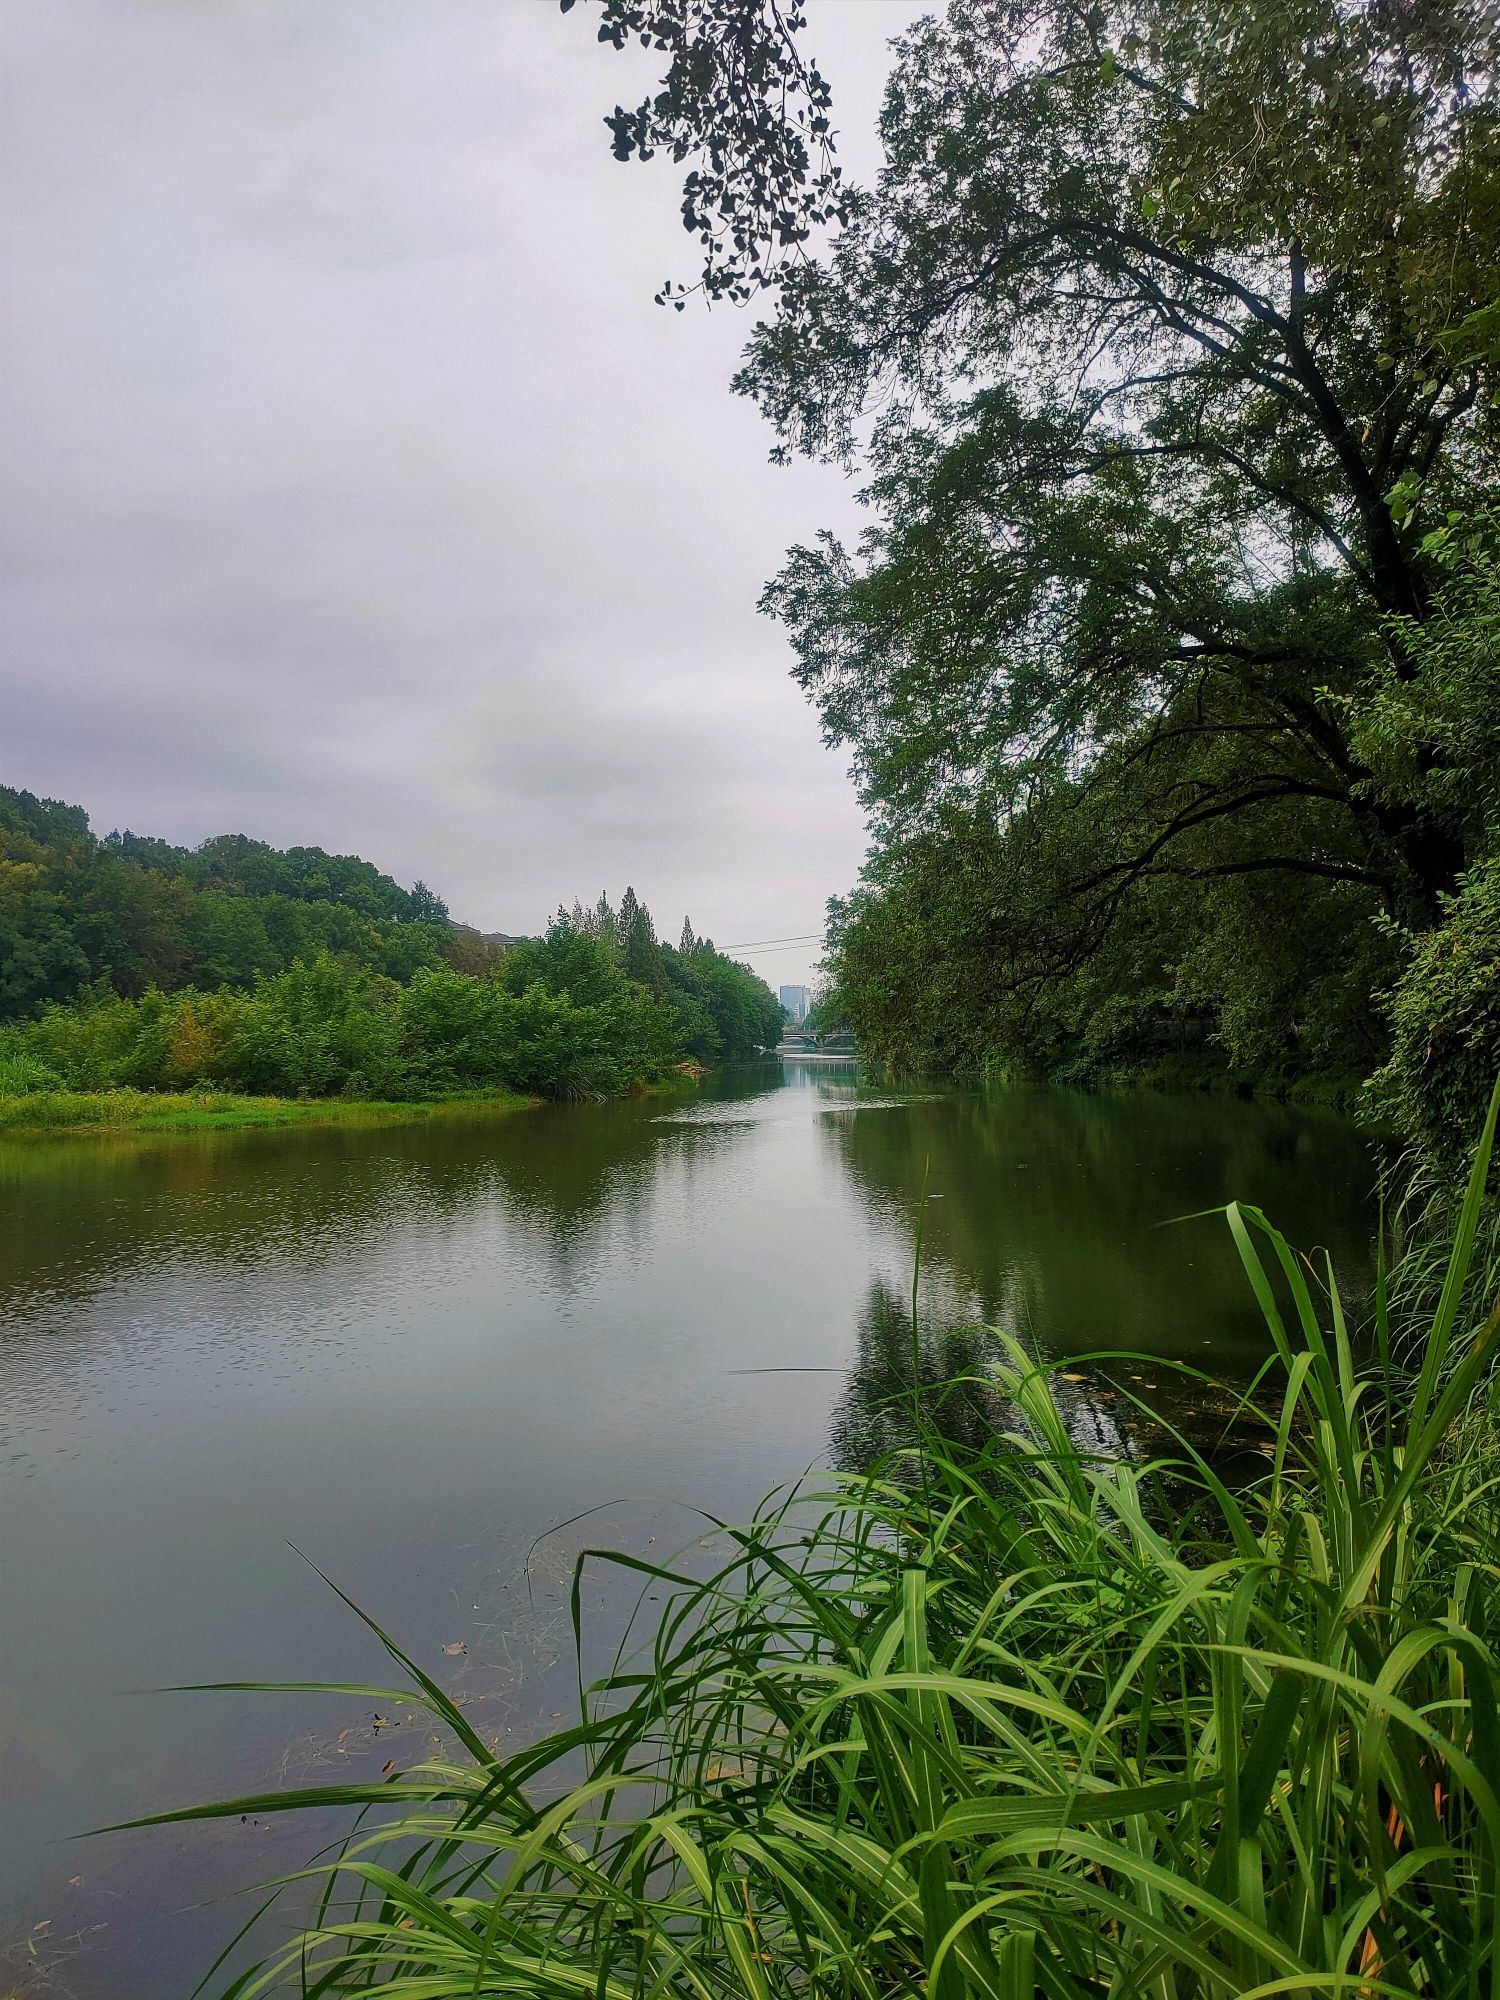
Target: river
(408, 1351)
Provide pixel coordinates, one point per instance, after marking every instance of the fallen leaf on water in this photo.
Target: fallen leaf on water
(458, 1646)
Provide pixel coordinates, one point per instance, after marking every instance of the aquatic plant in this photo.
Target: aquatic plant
(1007, 1719)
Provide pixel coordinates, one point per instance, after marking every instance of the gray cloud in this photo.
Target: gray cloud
(355, 491)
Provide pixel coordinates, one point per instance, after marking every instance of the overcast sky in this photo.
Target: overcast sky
(355, 492)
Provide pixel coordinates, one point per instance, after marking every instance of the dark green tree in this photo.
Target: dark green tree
(143, 913)
(424, 906)
(1167, 337)
(643, 960)
(1162, 306)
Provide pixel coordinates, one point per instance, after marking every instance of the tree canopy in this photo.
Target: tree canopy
(1166, 309)
(126, 962)
(724, 1011)
(139, 912)
(1167, 341)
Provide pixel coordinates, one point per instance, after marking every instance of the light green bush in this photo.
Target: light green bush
(21, 1075)
(1445, 1014)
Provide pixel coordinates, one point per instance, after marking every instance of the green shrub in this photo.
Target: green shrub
(326, 1028)
(1445, 1013)
(21, 1075)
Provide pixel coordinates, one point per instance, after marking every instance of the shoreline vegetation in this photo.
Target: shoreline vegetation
(58, 1113)
(1348, 1094)
(1031, 1716)
(237, 984)
(84, 1113)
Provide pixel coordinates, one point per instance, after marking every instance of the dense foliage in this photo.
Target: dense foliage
(236, 967)
(327, 1028)
(1167, 336)
(722, 1009)
(140, 913)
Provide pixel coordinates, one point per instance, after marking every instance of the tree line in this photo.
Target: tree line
(348, 983)
(139, 913)
(1167, 343)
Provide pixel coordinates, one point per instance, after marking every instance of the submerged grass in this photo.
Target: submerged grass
(213, 1111)
(1011, 1721)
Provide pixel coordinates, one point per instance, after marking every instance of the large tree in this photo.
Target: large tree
(1171, 313)
(1167, 336)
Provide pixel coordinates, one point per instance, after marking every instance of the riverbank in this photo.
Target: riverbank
(1177, 1076)
(82, 1111)
(1349, 1093)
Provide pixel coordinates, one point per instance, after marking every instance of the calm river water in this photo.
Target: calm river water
(410, 1351)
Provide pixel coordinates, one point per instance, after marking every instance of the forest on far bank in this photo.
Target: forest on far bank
(126, 963)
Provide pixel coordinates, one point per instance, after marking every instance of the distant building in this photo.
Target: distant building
(795, 1000)
(504, 939)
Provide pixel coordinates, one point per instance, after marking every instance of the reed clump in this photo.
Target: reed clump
(1007, 1721)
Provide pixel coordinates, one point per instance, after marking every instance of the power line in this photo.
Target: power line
(758, 944)
(765, 951)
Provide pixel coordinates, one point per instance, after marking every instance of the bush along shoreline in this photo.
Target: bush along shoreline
(596, 1008)
(1014, 1719)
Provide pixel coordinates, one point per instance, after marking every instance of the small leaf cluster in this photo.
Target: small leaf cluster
(740, 102)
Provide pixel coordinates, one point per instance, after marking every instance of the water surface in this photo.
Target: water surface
(408, 1351)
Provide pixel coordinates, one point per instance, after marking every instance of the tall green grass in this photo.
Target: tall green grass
(43, 1110)
(1008, 1721)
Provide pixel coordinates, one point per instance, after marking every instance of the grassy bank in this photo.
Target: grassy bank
(1035, 1718)
(60, 1111)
